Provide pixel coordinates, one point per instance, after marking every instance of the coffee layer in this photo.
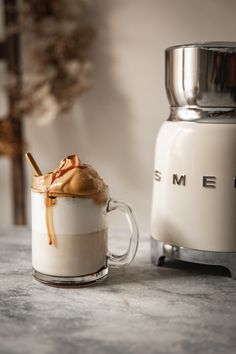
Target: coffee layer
(73, 255)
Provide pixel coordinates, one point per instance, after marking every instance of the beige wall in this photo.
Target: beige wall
(114, 126)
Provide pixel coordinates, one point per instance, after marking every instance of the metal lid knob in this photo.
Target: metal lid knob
(202, 76)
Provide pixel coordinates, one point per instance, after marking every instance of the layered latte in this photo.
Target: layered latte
(69, 230)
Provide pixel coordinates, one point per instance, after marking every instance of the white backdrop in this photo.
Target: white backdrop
(113, 126)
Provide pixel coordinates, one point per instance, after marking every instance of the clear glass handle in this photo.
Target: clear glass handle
(126, 258)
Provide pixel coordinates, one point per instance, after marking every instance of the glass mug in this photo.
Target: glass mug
(79, 256)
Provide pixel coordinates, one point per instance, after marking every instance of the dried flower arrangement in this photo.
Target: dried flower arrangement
(56, 69)
(48, 68)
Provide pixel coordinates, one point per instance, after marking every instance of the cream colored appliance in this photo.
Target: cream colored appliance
(194, 194)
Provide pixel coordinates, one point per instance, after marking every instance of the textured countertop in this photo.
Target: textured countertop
(178, 308)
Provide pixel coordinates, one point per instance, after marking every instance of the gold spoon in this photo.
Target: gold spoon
(33, 164)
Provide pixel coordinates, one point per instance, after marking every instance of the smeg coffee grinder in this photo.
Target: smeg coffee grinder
(194, 195)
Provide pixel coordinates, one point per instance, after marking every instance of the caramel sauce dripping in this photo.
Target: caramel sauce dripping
(49, 202)
(50, 199)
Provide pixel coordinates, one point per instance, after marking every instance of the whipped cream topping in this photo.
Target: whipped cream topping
(72, 178)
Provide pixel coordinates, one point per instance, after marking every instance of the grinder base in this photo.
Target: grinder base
(161, 250)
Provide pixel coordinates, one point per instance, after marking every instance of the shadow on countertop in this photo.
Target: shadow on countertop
(148, 273)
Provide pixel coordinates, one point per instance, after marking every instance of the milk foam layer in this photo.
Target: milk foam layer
(71, 216)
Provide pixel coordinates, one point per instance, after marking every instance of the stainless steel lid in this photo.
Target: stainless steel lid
(201, 77)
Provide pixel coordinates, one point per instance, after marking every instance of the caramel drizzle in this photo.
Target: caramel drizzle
(63, 170)
(49, 202)
(50, 199)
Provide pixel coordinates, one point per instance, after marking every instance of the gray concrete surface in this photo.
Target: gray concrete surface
(178, 308)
